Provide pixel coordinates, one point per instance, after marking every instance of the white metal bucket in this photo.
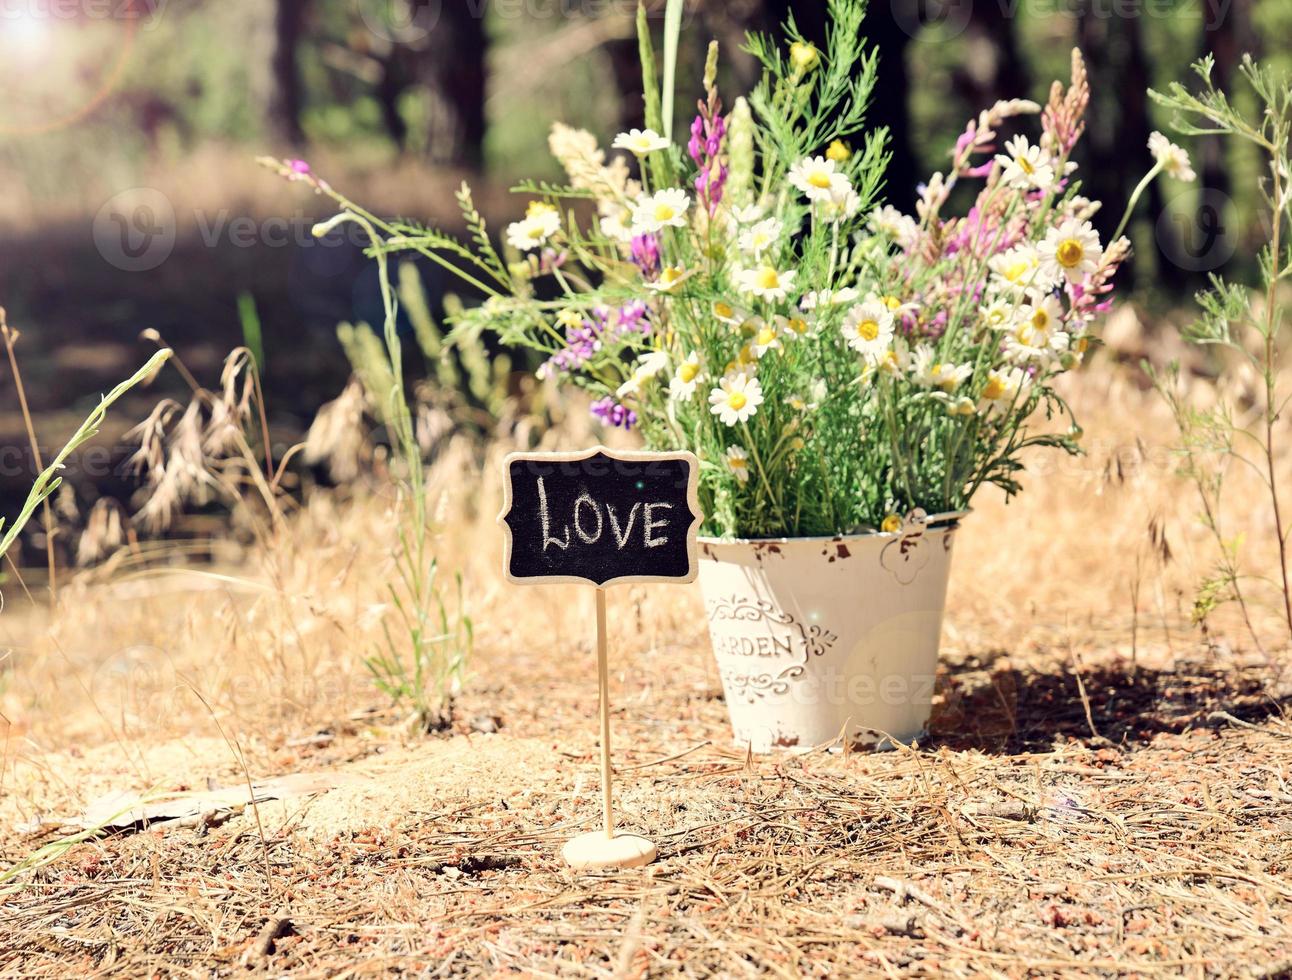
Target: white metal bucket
(819, 639)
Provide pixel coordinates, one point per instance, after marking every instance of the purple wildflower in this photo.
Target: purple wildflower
(601, 326)
(613, 414)
(645, 250)
(707, 135)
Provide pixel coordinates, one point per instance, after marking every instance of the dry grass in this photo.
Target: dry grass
(1102, 793)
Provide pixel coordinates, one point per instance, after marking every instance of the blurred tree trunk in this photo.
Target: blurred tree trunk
(992, 69)
(458, 62)
(1117, 154)
(626, 66)
(286, 100)
(1226, 34)
(889, 106)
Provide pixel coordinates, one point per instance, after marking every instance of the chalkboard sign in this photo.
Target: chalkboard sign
(600, 516)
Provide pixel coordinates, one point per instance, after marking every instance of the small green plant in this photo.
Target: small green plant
(423, 664)
(465, 383)
(1243, 332)
(49, 479)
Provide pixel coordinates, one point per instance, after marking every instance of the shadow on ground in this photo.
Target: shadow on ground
(989, 705)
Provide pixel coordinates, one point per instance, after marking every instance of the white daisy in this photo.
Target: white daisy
(648, 366)
(767, 339)
(736, 399)
(616, 224)
(728, 314)
(829, 297)
(540, 223)
(842, 205)
(640, 142)
(737, 461)
(1001, 389)
(998, 314)
(869, 329)
(1019, 268)
(655, 212)
(819, 179)
(1071, 249)
(1174, 159)
(893, 362)
(890, 222)
(929, 372)
(669, 279)
(689, 374)
(894, 304)
(792, 326)
(1038, 334)
(1027, 167)
(761, 237)
(766, 282)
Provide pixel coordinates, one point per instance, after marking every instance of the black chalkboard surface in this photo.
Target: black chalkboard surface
(600, 516)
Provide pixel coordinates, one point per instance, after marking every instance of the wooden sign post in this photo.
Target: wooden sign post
(601, 517)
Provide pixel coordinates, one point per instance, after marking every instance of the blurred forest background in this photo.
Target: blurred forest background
(129, 128)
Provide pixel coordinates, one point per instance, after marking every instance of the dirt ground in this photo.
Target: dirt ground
(1102, 792)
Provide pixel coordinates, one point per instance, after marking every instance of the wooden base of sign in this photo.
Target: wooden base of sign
(587, 852)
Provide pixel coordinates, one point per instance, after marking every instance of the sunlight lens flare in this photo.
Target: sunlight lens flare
(24, 33)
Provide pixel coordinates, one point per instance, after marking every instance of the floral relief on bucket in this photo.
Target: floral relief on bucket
(775, 645)
(906, 555)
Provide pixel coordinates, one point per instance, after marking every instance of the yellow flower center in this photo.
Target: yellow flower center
(737, 462)
(804, 56)
(537, 209)
(868, 330)
(723, 310)
(688, 372)
(799, 325)
(1040, 319)
(1017, 270)
(1070, 253)
(737, 400)
(670, 276)
(892, 523)
(839, 151)
(765, 336)
(1025, 165)
(1083, 345)
(664, 212)
(536, 233)
(893, 303)
(995, 389)
(819, 179)
(769, 278)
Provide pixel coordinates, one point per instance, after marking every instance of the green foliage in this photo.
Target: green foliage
(1243, 332)
(803, 111)
(422, 663)
(252, 335)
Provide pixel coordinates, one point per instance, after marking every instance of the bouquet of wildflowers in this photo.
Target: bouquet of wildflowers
(834, 364)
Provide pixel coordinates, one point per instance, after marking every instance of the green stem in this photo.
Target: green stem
(1134, 199)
